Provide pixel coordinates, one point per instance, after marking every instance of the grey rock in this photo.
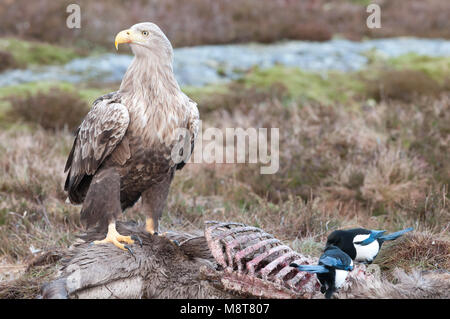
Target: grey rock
(201, 65)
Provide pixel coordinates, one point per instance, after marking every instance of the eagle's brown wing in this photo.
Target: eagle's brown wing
(98, 135)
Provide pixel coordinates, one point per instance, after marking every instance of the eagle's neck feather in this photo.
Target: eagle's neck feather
(154, 100)
(149, 76)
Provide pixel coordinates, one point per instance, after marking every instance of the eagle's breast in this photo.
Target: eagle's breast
(155, 124)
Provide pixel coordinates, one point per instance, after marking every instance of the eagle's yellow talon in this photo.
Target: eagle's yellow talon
(115, 238)
(125, 239)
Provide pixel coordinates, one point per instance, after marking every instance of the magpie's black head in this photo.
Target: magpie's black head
(343, 239)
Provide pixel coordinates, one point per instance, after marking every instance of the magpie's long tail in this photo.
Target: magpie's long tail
(317, 269)
(395, 235)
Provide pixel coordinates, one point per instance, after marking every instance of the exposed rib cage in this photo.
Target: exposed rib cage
(256, 263)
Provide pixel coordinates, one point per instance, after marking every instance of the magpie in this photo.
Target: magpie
(333, 268)
(362, 245)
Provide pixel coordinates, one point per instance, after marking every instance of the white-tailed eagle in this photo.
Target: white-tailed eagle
(124, 148)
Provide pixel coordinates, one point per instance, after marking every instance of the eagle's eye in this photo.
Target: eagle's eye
(145, 33)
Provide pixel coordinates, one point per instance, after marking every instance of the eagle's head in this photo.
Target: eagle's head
(146, 40)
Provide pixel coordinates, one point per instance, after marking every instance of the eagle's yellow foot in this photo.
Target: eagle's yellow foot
(115, 238)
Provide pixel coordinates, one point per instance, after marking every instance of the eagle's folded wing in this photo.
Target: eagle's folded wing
(193, 126)
(194, 120)
(98, 135)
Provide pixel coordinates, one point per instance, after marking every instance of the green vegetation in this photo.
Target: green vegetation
(32, 88)
(88, 94)
(52, 110)
(327, 88)
(402, 78)
(362, 2)
(49, 104)
(438, 68)
(27, 53)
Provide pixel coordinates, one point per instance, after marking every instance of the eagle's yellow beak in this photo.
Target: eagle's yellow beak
(125, 36)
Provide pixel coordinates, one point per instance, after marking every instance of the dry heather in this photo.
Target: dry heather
(222, 21)
(53, 110)
(379, 166)
(404, 85)
(351, 160)
(33, 214)
(7, 61)
(419, 250)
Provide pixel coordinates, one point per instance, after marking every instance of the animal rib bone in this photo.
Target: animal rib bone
(231, 260)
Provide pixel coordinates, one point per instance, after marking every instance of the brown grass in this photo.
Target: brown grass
(28, 286)
(32, 208)
(422, 250)
(7, 61)
(54, 109)
(351, 164)
(380, 166)
(403, 85)
(196, 22)
(418, 18)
